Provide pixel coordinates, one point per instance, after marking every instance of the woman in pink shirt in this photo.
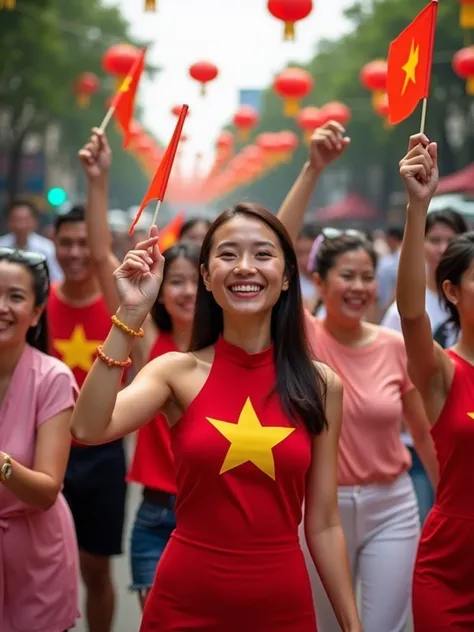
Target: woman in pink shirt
(38, 552)
(377, 502)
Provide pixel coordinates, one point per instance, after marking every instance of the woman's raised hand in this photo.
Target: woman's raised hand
(419, 171)
(139, 278)
(96, 156)
(327, 144)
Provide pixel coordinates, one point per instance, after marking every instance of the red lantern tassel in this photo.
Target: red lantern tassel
(150, 5)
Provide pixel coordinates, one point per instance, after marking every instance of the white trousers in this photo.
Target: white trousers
(381, 526)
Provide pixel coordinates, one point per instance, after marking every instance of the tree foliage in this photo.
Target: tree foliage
(369, 166)
(44, 46)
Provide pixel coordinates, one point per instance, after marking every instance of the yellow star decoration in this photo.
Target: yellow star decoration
(77, 352)
(250, 441)
(410, 67)
(125, 87)
(471, 415)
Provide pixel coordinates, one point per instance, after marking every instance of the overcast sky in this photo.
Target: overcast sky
(239, 36)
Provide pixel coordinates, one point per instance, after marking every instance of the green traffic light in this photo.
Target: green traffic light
(56, 196)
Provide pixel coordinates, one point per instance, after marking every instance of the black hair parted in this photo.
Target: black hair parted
(452, 219)
(456, 259)
(299, 383)
(331, 248)
(76, 214)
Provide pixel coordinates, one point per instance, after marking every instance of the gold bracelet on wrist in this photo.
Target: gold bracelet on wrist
(131, 332)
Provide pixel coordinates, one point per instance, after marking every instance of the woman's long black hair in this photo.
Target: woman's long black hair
(300, 385)
(36, 336)
(184, 250)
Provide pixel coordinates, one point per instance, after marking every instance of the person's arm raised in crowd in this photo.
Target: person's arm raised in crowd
(426, 359)
(327, 144)
(96, 158)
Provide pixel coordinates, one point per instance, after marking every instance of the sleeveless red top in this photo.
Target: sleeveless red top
(234, 561)
(153, 464)
(76, 332)
(443, 592)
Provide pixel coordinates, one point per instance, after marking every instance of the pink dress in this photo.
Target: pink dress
(38, 551)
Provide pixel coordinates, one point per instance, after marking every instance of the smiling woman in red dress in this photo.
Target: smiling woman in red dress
(254, 428)
(443, 593)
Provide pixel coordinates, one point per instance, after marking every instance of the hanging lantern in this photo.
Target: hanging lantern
(245, 119)
(463, 64)
(373, 77)
(308, 120)
(293, 84)
(150, 5)
(290, 11)
(382, 107)
(336, 111)
(287, 143)
(8, 5)
(466, 14)
(86, 85)
(204, 72)
(224, 145)
(269, 142)
(119, 60)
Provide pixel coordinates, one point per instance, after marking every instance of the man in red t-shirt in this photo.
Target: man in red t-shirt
(94, 486)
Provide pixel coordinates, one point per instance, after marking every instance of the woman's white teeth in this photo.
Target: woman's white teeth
(245, 288)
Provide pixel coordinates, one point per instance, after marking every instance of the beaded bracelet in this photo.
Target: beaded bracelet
(119, 364)
(131, 332)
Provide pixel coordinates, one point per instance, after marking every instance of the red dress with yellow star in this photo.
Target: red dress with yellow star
(234, 562)
(443, 588)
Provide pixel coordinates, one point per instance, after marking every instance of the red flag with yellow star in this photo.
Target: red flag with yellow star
(410, 59)
(124, 100)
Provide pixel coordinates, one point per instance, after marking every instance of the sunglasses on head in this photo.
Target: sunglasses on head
(334, 233)
(32, 259)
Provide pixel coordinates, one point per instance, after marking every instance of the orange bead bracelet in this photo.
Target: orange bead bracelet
(119, 364)
(131, 332)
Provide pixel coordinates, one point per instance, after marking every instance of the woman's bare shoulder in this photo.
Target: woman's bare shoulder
(330, 377)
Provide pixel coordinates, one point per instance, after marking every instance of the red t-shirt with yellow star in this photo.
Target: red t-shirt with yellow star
(76, 332)
(234, 561)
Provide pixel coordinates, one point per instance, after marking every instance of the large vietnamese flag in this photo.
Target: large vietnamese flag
(410, 59)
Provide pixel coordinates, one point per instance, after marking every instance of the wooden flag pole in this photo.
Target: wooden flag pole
(155, 214)
(423, 115)
(107, 118)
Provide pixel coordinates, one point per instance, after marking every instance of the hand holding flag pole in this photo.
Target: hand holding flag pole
(159, 183)
(410, 61)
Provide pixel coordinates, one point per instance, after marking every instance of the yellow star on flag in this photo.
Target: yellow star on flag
(77, 352)
(471, 415)
(125, 87)
(250, 442)
(410, 67)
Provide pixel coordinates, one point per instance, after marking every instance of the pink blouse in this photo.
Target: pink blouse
(38, 551)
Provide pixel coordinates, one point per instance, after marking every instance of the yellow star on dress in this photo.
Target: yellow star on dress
(77, 352)
(250, 441)
(410, 67)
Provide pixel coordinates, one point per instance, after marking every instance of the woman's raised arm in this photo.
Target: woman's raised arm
(419, 172)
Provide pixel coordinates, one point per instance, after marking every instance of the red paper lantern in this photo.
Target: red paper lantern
(119, 60)
(463, 64)
(86, 85)
(373, 76)
(293, 84)
(150, 5)
(204, 72)
(466, 15)
(382, 107)
(336, 111)
(287, 143)
(245, 119)
(290, 11)
(308, 120)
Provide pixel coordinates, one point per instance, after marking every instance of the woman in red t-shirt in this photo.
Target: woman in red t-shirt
(168, 328)
(152, 465)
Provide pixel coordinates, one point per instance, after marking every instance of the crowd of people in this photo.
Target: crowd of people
(299, 403)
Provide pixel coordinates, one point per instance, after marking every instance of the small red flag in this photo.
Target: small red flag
(124, 100)
(159, 183)
(410, 59)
